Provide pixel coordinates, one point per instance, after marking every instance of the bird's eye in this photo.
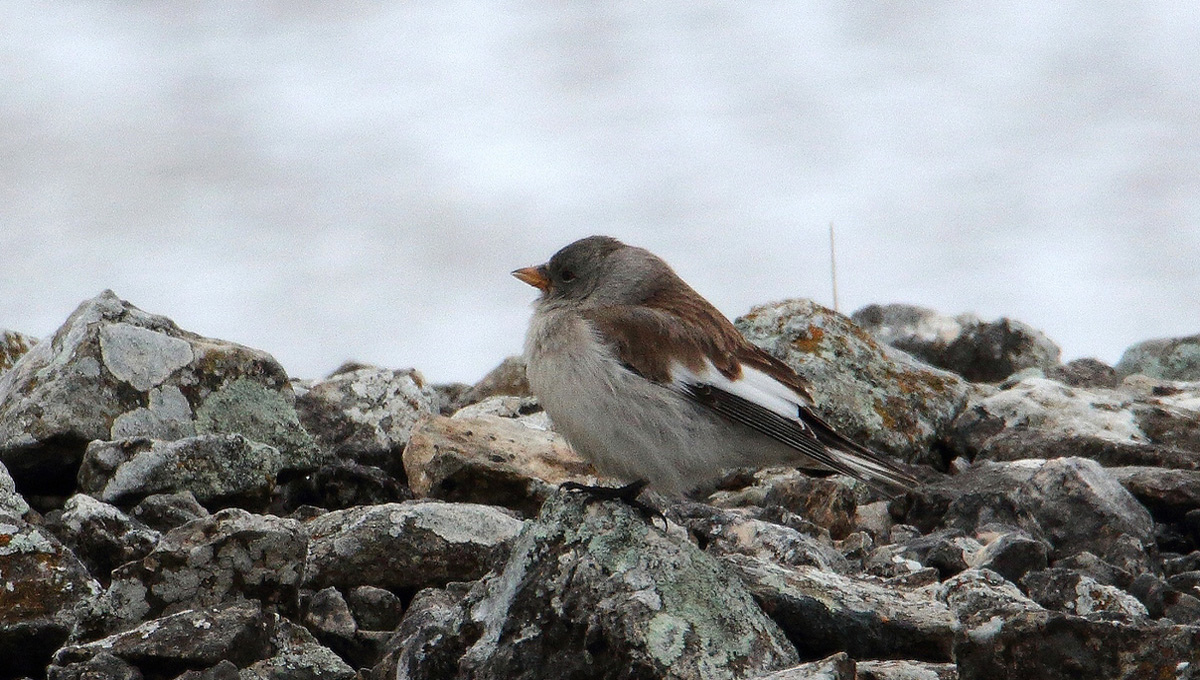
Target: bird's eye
(567, 275)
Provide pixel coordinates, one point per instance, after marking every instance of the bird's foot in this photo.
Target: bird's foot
(627, 494)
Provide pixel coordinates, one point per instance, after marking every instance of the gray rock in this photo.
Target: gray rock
(906, 670)
(366, 415)
(836, 667)
(1168, 358)
(823, 612)
(218, 469)
(102, 666)
(874, 394)
(1090, 565)
(508, 461)
(41, 582)
(507, 379)
(1169, 494)
(593, 590)
(980, 599)
(165, 511)
(1085, 373)
(738, 532)
(1012, 554)
(102, 536)
(375, 608)
(345, 484)
(224, 670)
(297, 656)
(966, 345)
(13, 346)
(1068, 591)
(414, 544)
(11, 502)
(113, 371)
(831, 503)
(1163, 600)
(327, 614)
(239, 632)
(230, 555)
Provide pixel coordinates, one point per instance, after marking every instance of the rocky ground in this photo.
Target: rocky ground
(174, 506)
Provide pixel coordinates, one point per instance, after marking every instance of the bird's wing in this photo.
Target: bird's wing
(703, 357)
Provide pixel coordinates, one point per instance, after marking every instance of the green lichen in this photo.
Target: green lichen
(256, 412)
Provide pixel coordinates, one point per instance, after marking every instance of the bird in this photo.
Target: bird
(652, 385)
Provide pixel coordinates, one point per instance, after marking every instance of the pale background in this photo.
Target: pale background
(354, 180)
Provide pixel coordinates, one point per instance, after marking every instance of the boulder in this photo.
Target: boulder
(102, 536)
(13, 346)
(1168, 359)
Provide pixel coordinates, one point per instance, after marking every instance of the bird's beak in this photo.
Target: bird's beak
(534, 276)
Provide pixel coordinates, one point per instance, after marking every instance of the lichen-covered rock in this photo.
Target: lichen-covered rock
(227, 556)
(366, 415)
(965, 344)
(823, 612)
(13, 346)
(239, 632)
(906, 670)
(297, 656)
(836, 667)
(375, 608)
(113, 371)
(165, 511)
(1012, 554)
(830, 503)
(430, 639)
(1168, 494)
(1068, 591)
(876, 395)
(593, 590)
(41, 582)
(1087, 372)
(414, 544)
(1168, 358)
(11, 502)
(218, 469)
(101, 666)
(738, 532)
(506, 461)
(102, 536)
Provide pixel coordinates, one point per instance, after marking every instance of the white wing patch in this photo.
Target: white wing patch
(753, 385)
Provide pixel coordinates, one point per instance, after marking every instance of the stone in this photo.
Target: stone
(13, 346)
(165, 511)
(977, 350)
(328, 615)
(11, 502)
(906, 670)
(410, 545)
(227, 556)
(491, 460)
(1168, 358)
(874, 394)
(980, 598)
(297, 656)
(836, 667)
(507, 379)
(830, 503)
(1168, 494)
(103, 666)
(41, 583)
(375, 608)
(592, 590)
(1068, 591)
(102, 536)
(738, 532)
(224, 670)
(822, 612)
(1012, 554)
(366, 415)
(1086, 373)
(346, 484)
(239, 632)
(218, 469)
(113, 371)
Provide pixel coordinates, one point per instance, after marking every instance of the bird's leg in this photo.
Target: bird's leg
(627, 494)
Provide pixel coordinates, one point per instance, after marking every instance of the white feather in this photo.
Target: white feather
(752, 385)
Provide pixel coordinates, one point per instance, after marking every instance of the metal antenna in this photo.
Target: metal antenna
(833, 268)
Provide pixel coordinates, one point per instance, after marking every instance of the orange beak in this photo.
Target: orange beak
(534, 276)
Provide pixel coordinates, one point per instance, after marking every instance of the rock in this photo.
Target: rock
(297, 656)
(1169, 359)
(837, 667)
(218, 469)
(345, 484)
(113, 371)
(1040, 418)
(1086, 373)
(102, 536)
(366, 415)
(410, 545)
(980, 599)
(375, 608)
(491, 460)
(1162, 600)
(1092, 566)
(328, 615)
(165, 511)
(41, 582)
(103, 666)
(1168, 494)
(239, 632)
(224, 670)
(966, 345)
(11, 502)
(230, 555)
(507, 379)
(1012, 554)
(593, 590)
(906, 670)
(878, 396)
(830, 503)
(1068, 591)
(947, 550)
(823, 612)
(738, 532)
(13, 346)
(1072, 503)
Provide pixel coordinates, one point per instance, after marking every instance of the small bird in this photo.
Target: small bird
(654, 386)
